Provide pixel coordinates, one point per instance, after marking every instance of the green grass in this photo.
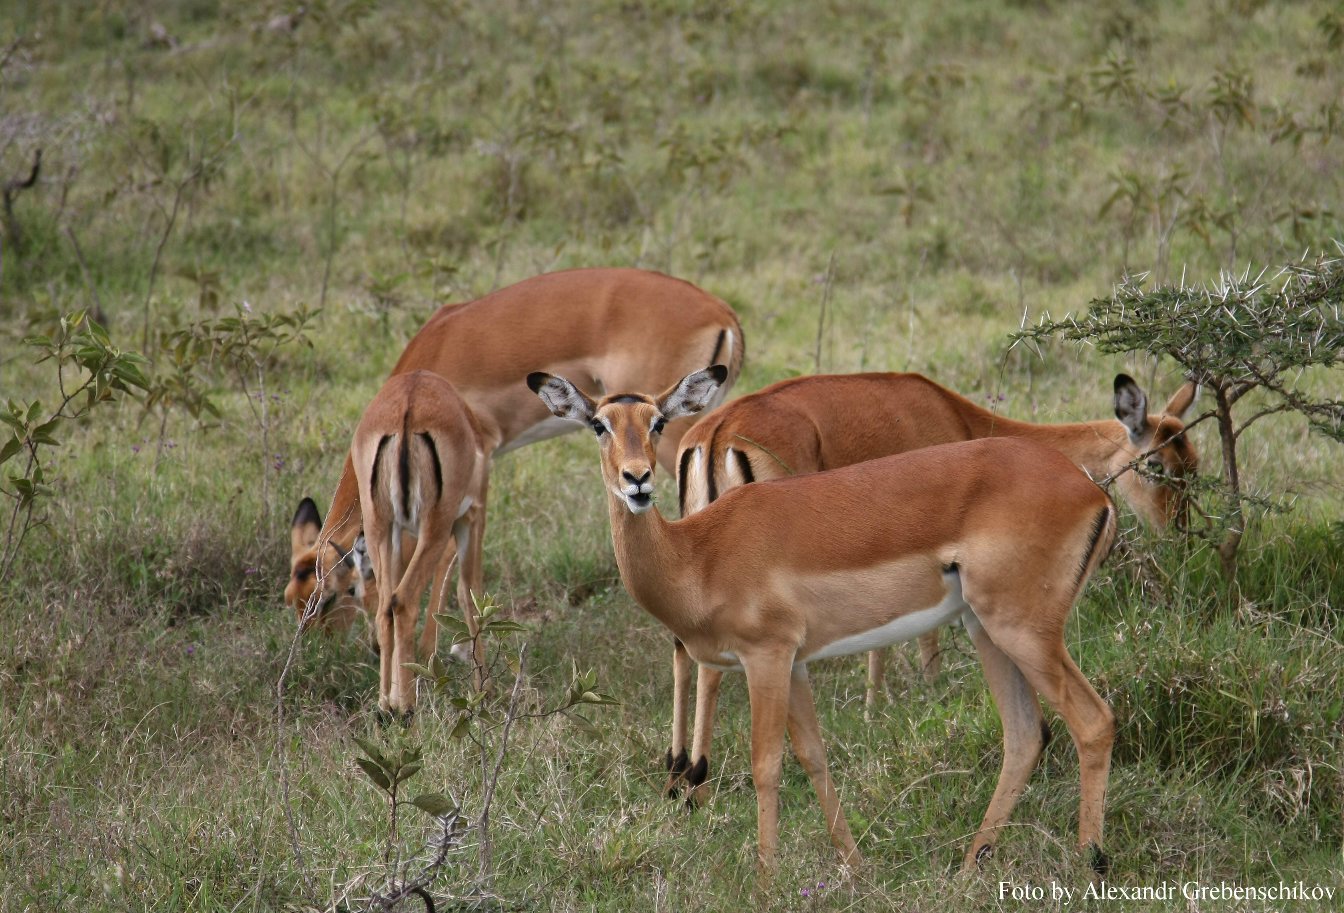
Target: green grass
(948, 162)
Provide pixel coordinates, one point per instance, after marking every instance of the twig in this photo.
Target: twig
(11, 190)
(84, 272)
(821, 318)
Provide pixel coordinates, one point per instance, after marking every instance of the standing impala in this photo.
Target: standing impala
(593, 324)
(999, 534)
(420, 465)
(809, 424)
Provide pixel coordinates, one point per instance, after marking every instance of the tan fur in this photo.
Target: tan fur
(1016, 525)
(425, 504)
(810, 424)
(612, 330)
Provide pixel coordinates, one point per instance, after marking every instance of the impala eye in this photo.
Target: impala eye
(658, 425)
(598, 428)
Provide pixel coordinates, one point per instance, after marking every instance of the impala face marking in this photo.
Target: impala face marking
(336, 590)
(773, 575)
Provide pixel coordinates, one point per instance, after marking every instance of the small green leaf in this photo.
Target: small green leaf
(372, 750)
(461, 727)
(436, 668)
(375, 773)
(12, 446)
(451, 622)
(407, 771)
(436, 804)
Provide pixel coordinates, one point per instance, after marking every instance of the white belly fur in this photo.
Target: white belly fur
(545, 429)
(899, 630)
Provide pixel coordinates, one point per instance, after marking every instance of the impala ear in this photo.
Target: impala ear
(304, 528)
(1131, 406)
(693, 392)
(563, 398)
(1182, 400)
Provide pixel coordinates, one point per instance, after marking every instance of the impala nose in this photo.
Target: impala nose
(639, 482)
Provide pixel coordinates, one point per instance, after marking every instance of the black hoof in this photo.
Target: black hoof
(1100, 862)
(387, 718)
(676, 771)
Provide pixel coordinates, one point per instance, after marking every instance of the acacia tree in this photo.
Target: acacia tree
(1233, 336)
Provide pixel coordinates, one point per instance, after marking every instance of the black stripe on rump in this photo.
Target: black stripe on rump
(709, 466)
(718, 347)
(434, 458)
(1098, 527)
(744, 466)
(681, 479)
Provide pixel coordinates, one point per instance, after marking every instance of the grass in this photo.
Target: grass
(946, 164)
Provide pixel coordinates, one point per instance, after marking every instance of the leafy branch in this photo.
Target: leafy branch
(1235, 336)
(89, 371)
(486, 720)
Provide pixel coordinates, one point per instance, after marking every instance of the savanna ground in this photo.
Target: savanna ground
(871, 186)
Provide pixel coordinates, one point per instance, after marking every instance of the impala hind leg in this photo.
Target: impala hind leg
(404, 610)
(438, 595)
(1046, 664)
(805, 735)
(931, 655)
(1023, 739)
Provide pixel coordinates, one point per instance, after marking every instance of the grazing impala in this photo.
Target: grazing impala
(610, 329)
(809, 424)
(999, 534)
(420, 465)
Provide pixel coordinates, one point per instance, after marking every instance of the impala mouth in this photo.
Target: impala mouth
(639, 502)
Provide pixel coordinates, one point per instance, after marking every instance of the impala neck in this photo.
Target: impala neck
(1099, 447)
(648, 551)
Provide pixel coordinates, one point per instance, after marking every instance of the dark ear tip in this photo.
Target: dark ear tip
(306, 513)
(536, 379)
(718, 372)
(1124, 380)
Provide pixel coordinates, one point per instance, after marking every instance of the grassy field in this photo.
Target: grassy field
(936, 173)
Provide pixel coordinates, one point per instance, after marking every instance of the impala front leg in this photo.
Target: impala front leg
(707, 684)
(677, 761)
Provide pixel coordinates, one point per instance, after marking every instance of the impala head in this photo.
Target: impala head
(627, 425)
(345, 575)
(1170, 456)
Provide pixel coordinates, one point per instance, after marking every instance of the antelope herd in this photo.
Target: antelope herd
(821, 516)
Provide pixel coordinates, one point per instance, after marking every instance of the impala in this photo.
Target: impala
(594, 324)
(420, 466)
(808, 424)
(998, 534)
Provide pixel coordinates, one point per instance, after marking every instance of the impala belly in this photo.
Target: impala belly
(543, 430)
(929, 603)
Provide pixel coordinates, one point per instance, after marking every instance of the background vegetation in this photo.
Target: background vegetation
(938, 173)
